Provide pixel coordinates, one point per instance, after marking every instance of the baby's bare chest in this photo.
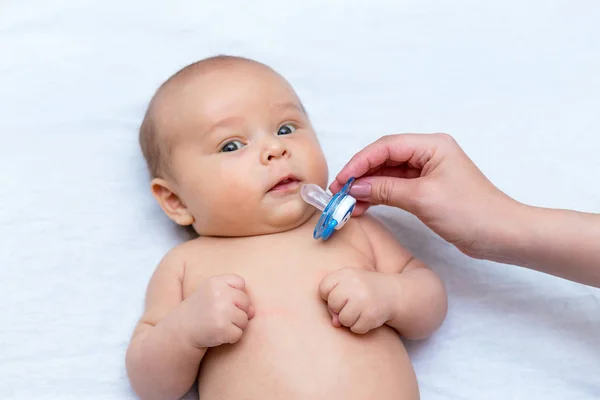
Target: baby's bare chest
(276, 269)
(290, 349)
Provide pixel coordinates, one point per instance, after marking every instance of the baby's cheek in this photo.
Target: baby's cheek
(231, 202)
(314, 166)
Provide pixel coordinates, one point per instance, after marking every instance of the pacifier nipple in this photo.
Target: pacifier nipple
(315, 196)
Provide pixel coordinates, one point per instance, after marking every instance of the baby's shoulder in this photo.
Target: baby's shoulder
(190, 249)
(359, 232)
(363, 226)
(373, 232)
(370, 224)
(177, 257)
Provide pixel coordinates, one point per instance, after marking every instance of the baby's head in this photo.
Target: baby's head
(228, 145)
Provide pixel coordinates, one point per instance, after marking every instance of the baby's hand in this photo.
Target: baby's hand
(357, 299)
(218, 311)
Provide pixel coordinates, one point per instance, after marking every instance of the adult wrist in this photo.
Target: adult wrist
(507, 233)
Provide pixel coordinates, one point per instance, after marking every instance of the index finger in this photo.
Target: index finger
(400, 148)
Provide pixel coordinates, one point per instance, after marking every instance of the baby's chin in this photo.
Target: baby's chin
(268, 219)
(288, 216)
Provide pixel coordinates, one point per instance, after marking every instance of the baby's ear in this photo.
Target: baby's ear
(170, 202)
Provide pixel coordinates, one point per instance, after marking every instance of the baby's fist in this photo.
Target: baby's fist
(219, 310)
(357, 299)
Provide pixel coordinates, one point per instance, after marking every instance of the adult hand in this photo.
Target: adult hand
(431, 177)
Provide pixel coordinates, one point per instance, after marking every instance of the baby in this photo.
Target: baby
(255, 308)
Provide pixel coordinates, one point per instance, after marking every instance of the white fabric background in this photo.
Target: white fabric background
(517, 83)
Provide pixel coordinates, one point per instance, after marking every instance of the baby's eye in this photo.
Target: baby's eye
(232, 146)
(286, 129)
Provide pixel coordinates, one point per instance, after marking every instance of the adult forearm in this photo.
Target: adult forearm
(162, 364)
(558, 242)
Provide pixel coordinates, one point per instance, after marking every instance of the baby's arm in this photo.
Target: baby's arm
(161, 360)
(419, 303)
(173, 334)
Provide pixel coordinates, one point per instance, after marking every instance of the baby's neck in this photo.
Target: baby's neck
(310, 222)
(306, 224)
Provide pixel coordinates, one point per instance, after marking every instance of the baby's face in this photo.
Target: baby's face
(241, 147)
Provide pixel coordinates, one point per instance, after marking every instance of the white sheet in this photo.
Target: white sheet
(517, 83)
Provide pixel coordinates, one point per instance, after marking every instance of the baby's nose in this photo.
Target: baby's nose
(273, 150)
(276, 154)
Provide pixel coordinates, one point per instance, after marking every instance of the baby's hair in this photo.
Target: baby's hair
(153, 141)
(151, 148)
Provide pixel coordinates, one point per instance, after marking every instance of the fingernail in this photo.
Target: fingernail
(361, 190)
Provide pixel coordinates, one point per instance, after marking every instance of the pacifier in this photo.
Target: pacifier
(336, 210)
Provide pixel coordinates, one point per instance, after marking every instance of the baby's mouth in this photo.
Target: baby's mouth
(289, 182)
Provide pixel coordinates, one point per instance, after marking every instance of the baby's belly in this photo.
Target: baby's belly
(291, 350)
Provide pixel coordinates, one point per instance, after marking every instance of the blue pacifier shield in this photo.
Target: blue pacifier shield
(326, 224)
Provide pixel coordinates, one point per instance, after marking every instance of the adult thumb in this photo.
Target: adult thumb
(391, 191)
